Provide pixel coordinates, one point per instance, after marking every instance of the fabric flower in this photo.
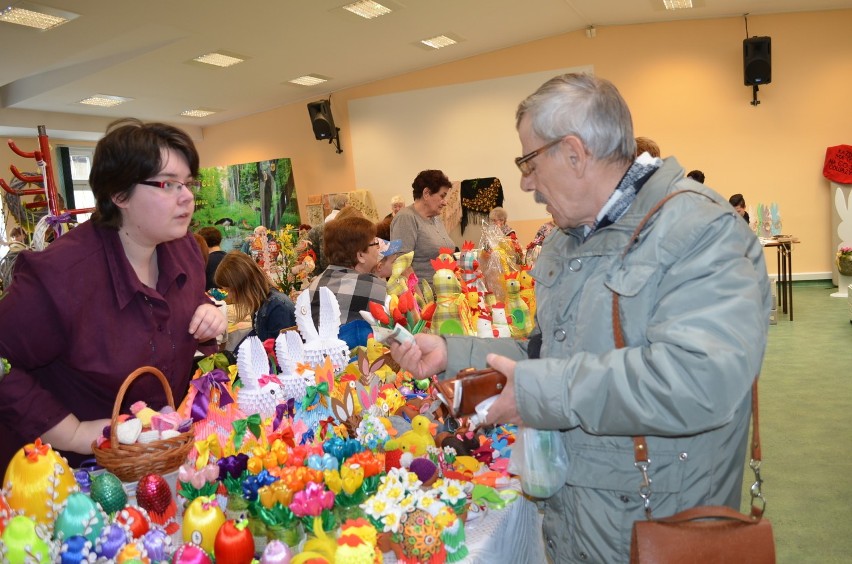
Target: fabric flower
(312, 500)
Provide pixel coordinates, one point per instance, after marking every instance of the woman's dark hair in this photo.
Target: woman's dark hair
(132, 151)
(696, 175)
(344, 238)
(434, 180)
(383, 228)
(212, 235)
(737, 200)
(203, 246)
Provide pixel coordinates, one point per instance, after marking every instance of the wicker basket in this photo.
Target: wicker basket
(131, 462)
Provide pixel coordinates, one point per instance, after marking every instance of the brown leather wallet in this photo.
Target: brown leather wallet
(469, 388)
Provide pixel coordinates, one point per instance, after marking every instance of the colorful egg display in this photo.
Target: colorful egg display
(20, 542)
(421, 537)
(276, 552)
(75, 550)
(135, 519)
(131, 553)
(112, 540)
(201, 522)
(79, 516)
(191, 554)
(108, 490)
(234, 543)
(38, 481)
(158, 545)
(155, 496)
(5, 512)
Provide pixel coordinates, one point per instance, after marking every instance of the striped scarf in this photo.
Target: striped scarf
(626, 191)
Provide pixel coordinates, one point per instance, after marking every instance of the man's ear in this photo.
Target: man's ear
(575, 154)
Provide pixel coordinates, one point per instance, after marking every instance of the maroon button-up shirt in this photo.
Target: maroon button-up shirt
(77, 320)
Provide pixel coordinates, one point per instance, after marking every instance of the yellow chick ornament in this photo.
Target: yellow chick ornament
(416, 440)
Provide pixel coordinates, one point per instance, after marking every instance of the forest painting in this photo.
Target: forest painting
(238, 198)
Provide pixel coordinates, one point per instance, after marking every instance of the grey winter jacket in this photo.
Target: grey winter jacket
(694, 304)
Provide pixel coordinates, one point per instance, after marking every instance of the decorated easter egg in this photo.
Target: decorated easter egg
(234, 543)
(155, 496)
(130, 553)
(191, 554)
(421, 537)
(79, 516)
(135, 519)
(201, 522)
(153, 493)
(108, 490)
(38, 481)
(276, 552)
(21, 542)
(158, 545)
(112, 540)
(74, 550)
(5, 512)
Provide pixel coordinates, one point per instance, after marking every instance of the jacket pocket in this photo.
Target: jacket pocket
(628, 281)
(608, 468)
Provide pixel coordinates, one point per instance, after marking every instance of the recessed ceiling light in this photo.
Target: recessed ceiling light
(367, 9)
(308, 80)
(438, 42)
(104, 100)
(677, 4)
(34, 15)
(198, 113)
(219, 59)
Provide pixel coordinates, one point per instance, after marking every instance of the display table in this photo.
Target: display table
(509, 535)
(784, 281)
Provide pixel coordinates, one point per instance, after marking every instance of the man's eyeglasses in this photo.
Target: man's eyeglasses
(173, 186)
(525, 164)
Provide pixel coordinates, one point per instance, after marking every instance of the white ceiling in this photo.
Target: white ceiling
(139, 49)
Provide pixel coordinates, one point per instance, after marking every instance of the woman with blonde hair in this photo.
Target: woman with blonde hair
(253, 294)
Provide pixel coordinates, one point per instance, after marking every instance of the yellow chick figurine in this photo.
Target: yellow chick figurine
(416, 440)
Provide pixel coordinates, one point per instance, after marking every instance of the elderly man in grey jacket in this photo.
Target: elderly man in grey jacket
(694, 301)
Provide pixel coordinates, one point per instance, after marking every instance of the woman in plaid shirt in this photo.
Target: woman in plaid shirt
(352, 250)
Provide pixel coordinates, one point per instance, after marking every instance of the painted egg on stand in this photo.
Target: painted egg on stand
(201, 522)
(79, 516)
(38, 481)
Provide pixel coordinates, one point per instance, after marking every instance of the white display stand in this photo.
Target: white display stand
(841, 229)
(843, 283)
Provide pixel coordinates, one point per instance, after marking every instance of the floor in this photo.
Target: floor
(806, 428)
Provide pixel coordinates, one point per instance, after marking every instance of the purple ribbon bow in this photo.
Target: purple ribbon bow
(216, 378)
(281, 409)
(56, 221)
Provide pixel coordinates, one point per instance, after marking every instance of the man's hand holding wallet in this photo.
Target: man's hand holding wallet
(469, 388)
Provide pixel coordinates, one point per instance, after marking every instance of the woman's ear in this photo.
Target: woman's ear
(120, 200)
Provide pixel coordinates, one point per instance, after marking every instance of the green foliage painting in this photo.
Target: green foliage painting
(238, 198)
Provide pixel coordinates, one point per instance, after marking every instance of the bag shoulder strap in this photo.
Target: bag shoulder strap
(640, 445)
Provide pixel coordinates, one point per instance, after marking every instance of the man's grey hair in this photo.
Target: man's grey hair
(587, 107)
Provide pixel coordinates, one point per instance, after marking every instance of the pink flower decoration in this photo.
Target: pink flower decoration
(312, 500)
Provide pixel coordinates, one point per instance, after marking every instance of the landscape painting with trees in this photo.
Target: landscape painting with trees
(238, 198)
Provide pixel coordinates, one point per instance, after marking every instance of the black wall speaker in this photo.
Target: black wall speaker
(757, 60)
(321, 120)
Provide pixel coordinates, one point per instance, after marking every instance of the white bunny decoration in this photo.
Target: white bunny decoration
(290, 354)
(323, 342)
(261, 391)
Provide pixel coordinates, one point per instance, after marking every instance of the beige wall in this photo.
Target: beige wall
(684, 84)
